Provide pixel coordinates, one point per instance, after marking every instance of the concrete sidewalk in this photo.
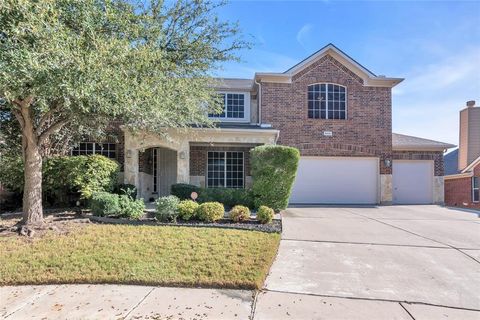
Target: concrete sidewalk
(122, 302)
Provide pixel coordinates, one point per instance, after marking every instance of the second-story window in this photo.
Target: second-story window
(327, 101)
(234, 106)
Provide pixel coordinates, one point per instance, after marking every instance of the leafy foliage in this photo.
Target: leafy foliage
(167, 208)
(265, 214)
(130, 208)
(184, 190)
(228, 196)
(210, 211)
(186, 209)
(239, 214)
(70, 67)
(104, 204)
(126, 189)
(274, 168)
(63, 175)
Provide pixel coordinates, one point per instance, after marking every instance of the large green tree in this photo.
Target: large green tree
(69, 65)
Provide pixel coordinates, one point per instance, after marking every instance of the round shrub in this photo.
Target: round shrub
(130, 208)
(104, 204)
(167, 208)
(210, 211)
(265, 214)
(186, 209)
(239, 213)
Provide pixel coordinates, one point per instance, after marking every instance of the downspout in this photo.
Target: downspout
(259, 122)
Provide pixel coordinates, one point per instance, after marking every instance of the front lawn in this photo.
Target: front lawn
(150, 255)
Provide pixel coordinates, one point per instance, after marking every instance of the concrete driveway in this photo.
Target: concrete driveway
(396, 262)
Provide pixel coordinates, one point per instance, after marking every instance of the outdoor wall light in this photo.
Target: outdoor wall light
(388, 163)
(182, 155)
(129, 153)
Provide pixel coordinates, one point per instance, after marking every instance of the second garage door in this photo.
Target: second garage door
(412, 181)
(336, 181)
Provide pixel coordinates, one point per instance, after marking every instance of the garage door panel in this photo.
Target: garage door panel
(412, 181)
(336, 181)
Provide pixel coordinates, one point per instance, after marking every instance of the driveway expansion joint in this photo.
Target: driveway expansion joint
(373, 244)
(138, 304)
(32, 300)
(408, 312)
(371, 299)
(413, 233)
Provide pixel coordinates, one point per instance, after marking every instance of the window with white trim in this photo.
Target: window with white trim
(475, 189)
(235, 107)
(225, 169)
(327, 101)
(86, 148)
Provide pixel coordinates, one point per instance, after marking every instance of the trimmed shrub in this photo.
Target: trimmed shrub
(274, 168)
(186, 209)
(210, 211)
(104, 204)
(167, 208)
(265, 214)
(239, 213)
(97, 173)
(229, 197)
(130, 208)
(126, 189)
(184, 190)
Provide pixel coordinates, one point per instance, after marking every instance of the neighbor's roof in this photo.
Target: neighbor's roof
(368, 77)
(234, 84)
(450, 163)
(409, 143)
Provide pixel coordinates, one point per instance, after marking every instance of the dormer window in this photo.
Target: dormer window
(236, 107)
(327, 101)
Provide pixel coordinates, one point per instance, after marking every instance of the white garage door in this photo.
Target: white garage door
(336, 181)
(412, 181)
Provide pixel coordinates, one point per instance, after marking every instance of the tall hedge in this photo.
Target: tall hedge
(273, 169)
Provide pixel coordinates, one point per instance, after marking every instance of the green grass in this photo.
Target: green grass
(150, 255)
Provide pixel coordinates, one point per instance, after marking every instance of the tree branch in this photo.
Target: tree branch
(51, 130)
(19, 117)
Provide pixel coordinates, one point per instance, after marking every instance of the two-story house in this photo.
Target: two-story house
(334, 110)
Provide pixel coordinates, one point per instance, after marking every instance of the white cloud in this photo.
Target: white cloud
(303, 34)
(427, 104)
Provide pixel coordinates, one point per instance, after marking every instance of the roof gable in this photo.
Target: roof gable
(472, 165)
(368, 77)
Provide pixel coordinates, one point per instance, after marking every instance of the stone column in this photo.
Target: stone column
(183, 162)
(386, 186)
(131, 174)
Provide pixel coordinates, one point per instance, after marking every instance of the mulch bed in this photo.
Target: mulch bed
(275, 226)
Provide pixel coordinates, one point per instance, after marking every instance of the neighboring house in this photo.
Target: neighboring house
(462, 166)
(334, 110)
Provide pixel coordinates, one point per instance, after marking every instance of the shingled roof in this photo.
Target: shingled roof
(402, 142)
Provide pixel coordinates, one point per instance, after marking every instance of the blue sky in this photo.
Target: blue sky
(435, 46)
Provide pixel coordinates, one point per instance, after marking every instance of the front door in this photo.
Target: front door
(166, 170)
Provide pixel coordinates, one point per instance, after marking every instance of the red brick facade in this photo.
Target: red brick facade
(367, 131)
(436, 156)
(458, 192)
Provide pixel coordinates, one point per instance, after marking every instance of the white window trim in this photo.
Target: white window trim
(326, 103)
(473, 189)
(246, 111)
(225, 170)
(94, 150)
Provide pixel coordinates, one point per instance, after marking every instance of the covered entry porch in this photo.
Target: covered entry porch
(212, 157)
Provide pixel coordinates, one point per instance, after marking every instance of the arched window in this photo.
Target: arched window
(327, 101)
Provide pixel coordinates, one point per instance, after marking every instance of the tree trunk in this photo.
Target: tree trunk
(32, 192)
(32, 159)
